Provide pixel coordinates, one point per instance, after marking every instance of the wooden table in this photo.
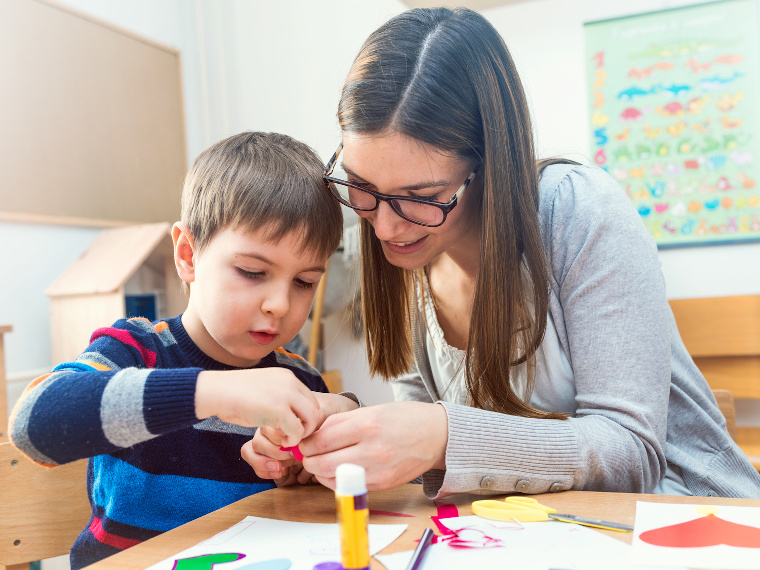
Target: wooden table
(317, 504)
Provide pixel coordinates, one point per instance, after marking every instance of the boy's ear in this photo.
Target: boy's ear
(184, 252)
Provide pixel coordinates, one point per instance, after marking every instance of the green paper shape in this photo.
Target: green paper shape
(206, 561)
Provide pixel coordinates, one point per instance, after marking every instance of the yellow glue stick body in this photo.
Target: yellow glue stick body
(352, 509)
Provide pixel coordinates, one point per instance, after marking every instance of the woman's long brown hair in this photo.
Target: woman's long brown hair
(445, 77)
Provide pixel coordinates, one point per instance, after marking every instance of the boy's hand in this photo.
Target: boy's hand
(271, 397)
(263, 452)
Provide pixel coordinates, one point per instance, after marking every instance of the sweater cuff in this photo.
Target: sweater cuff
(492, 453)
(169, 399)
(353, 397)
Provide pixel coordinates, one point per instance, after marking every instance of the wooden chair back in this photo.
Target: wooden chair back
(42, 509)
(333, 378)
(3, 385)
(722, 335)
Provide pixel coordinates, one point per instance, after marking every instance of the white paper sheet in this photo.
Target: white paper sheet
(538, 546)
(650, 516)
(261, 540)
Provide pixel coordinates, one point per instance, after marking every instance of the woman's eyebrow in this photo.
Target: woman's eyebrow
(410, 187)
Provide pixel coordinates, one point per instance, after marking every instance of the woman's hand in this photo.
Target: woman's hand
(263, 452)
(394, 442)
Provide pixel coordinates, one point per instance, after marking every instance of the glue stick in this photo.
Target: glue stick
(352, 508)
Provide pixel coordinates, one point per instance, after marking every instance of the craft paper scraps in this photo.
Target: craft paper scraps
(705, 536)
(537, 546)
(257, 543)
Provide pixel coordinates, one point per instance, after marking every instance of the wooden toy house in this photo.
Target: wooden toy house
(126, 271)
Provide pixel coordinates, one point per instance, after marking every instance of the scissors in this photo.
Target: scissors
(525, 509)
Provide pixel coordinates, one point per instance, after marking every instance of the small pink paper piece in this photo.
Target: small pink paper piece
(294, 450)
(446, 510)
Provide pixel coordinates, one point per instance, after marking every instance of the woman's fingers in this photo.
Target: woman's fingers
(394, 443)
(338, 431)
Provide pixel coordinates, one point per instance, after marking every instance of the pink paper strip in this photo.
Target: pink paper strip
(388, 513)
(446, 510)
(294, 450)
(444, 530)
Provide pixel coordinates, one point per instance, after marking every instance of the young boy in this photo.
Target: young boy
(162, 409)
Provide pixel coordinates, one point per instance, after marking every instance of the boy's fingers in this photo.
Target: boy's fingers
(304, 477)
(283, 481)
(307, 410)
(271, 434)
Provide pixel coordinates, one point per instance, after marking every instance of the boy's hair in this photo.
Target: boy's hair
(257, 180)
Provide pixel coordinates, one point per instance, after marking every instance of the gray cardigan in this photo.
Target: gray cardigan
(641, 400)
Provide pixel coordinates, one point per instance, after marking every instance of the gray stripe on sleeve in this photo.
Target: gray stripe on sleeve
(20, 426)
(215, 424)
(99, 358)
(121, 408)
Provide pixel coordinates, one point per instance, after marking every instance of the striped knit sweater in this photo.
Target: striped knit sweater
(128, 403)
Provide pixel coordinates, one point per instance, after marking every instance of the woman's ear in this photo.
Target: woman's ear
(184, 252)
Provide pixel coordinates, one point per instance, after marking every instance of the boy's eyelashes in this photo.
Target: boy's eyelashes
(250, 274)
(304, 284)
(261, 274)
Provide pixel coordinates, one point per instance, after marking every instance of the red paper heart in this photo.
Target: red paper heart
(705, 531)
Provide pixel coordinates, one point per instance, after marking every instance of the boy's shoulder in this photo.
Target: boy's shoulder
(298, 365)
(138, 334)
(133, 328)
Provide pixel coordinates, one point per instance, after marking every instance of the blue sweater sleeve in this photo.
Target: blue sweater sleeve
(115, 395)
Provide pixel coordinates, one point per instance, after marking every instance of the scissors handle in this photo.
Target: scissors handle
(528, 502)
(502, 511)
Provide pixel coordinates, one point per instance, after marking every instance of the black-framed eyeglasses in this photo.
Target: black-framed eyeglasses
(427, 213)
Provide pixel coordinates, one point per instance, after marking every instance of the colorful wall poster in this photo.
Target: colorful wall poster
(675, 118)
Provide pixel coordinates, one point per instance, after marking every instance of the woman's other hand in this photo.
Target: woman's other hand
(394, 442)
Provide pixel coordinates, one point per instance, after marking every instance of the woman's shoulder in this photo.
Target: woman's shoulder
(582, 204)
(579, 183)
(571, 191)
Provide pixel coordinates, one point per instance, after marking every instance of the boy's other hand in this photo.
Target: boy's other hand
(272, 397)
(263, 453)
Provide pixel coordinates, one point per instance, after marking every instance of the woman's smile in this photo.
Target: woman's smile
(405, 247)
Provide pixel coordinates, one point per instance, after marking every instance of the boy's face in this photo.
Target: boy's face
(248, 295)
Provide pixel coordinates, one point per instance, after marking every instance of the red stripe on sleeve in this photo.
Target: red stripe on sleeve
(148, 356)
(96, 528)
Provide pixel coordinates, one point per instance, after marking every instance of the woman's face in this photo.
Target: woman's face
(400, 165)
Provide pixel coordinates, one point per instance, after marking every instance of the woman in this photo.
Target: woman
(518, 306)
